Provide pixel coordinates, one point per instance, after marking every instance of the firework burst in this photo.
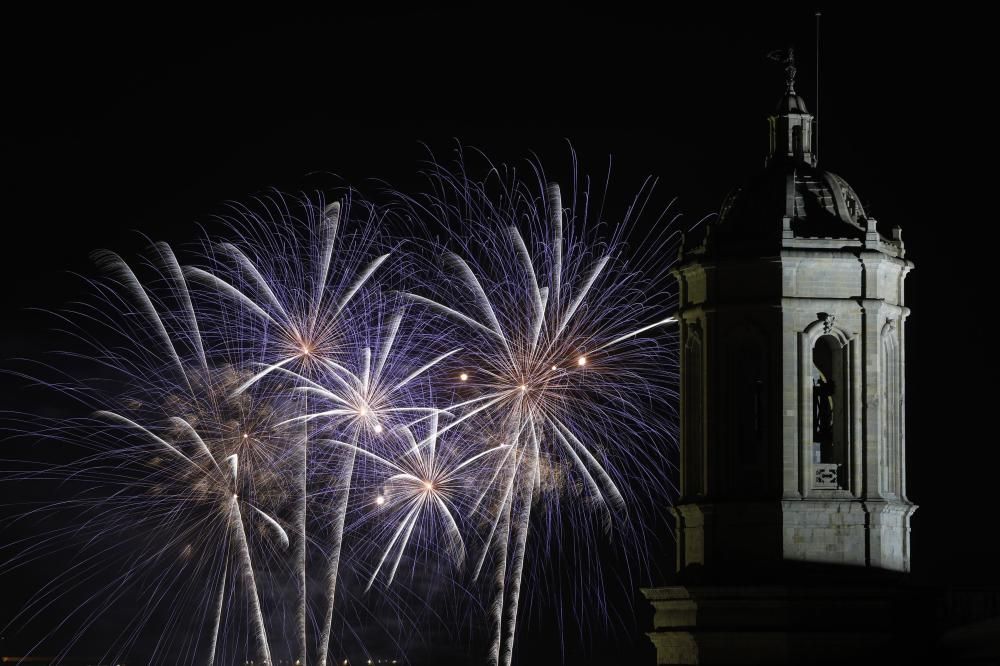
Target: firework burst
(360, 405)
(291, 289)
(422, 491)
(177, 483)
(564, 361)
(459, 406)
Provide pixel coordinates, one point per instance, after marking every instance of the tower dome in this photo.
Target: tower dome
(791, 103)
(794, 197)
(792, 202)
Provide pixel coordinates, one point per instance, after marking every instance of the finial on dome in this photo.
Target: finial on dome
(791, 125)
(787, 58)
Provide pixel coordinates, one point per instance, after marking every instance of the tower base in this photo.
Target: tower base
(774, 624)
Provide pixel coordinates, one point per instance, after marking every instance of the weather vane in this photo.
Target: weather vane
(787, 58)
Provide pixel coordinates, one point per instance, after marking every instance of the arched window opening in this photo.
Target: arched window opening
(829, 393)
(797, 140)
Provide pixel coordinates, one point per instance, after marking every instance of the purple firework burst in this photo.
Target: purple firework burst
(568, 360)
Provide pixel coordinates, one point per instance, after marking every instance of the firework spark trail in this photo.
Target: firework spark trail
(333, 557)
(218, 617)
(500, 574)
(250, 580)
(301, 514)
(562, 359)
(517, 561)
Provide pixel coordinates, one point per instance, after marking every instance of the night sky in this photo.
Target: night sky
(114, 124)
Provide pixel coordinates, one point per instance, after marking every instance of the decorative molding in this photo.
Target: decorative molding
(826, 476)
(826, 324)
(828, 320)
(693, 333)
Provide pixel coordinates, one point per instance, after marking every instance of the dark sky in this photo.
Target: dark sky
(115, 123)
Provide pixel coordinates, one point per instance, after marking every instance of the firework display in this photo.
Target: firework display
(312, 407)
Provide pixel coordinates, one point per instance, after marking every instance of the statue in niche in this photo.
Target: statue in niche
(823, 392)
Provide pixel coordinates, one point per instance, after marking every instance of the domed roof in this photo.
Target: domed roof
(818, 203)
(791, 202)
(791, 103)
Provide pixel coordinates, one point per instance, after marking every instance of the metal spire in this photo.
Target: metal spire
(816, 115)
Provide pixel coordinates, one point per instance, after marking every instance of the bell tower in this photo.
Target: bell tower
(792, 317)
(793, 524)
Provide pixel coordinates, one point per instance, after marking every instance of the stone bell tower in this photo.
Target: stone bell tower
(792, 353)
